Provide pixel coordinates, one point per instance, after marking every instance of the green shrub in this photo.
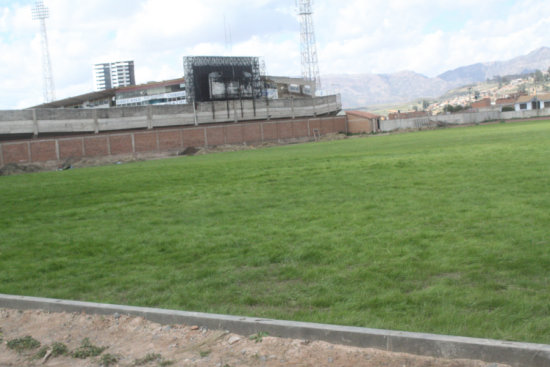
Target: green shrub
(87, 349)
(150, 357)
(109, 360)
(23, 344)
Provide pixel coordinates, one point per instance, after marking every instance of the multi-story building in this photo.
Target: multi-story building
(114, 75)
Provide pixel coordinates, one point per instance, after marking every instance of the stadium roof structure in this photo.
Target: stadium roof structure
(148, 85)
(77, 100)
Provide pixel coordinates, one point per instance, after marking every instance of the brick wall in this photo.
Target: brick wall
(359, 125)
(164, 140)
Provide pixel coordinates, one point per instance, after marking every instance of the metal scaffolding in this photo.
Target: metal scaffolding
(40, 12)
(308, 46)
(210, 78)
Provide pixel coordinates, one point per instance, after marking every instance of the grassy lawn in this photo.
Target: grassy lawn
(444, 231)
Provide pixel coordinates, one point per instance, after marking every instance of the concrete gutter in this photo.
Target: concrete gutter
(442, 346)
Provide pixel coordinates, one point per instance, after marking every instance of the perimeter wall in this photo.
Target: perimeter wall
(134, 142)
(38, 122)
(460, 119)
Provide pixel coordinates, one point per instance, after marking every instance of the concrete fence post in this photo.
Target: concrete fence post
(149, 117)
(34, 123)
(29, 152)
(96, 123)
(158, 140)
(262, 131)
(57, 149)
(213, 111)
(195, 113)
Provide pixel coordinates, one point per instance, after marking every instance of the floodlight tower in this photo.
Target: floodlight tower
(308, 46)
(40, 12)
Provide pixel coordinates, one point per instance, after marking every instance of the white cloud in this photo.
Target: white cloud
(354, 36)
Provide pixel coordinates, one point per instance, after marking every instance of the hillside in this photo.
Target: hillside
(367, 89)
(361, 90)
(538, 59)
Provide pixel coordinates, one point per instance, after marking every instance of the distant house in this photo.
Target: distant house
(362, 122)
(506, 104)
(533, 102)
(482, 103)
(544, 100)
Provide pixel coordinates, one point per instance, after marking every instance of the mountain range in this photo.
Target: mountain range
(360, 90)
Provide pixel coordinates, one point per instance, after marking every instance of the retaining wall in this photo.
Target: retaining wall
(134, 142)
(58, 120)
(460, 119)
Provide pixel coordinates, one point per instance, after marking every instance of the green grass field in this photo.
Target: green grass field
(444, 231)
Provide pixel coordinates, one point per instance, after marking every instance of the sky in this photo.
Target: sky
(353, 37)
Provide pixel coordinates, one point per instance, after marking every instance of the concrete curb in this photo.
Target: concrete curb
(443, 346)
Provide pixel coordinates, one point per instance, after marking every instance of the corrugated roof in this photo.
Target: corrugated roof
(76, 100)
(289, 80)
(538, 97)
(151, 85)
(505, 101)
(363, 114)
(109, 93)
(525, 99)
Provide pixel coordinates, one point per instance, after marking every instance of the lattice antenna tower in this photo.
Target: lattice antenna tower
(40, 12)
(308, 46)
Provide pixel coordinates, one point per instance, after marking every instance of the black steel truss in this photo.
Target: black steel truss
(209, 78)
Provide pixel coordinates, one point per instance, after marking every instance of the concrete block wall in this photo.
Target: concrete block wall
(50, 121)
(460, 119)
(164, 140)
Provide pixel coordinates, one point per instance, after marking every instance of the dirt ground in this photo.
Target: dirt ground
(134, 341)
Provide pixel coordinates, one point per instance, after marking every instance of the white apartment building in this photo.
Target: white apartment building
(114, 75)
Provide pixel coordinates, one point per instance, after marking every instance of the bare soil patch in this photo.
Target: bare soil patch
(134, 341)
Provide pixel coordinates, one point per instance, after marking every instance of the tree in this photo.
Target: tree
(539, 77)
(498, 79)
(452, 109)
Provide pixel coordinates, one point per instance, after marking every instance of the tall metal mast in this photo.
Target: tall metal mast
(40, 12)
(308, 46)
